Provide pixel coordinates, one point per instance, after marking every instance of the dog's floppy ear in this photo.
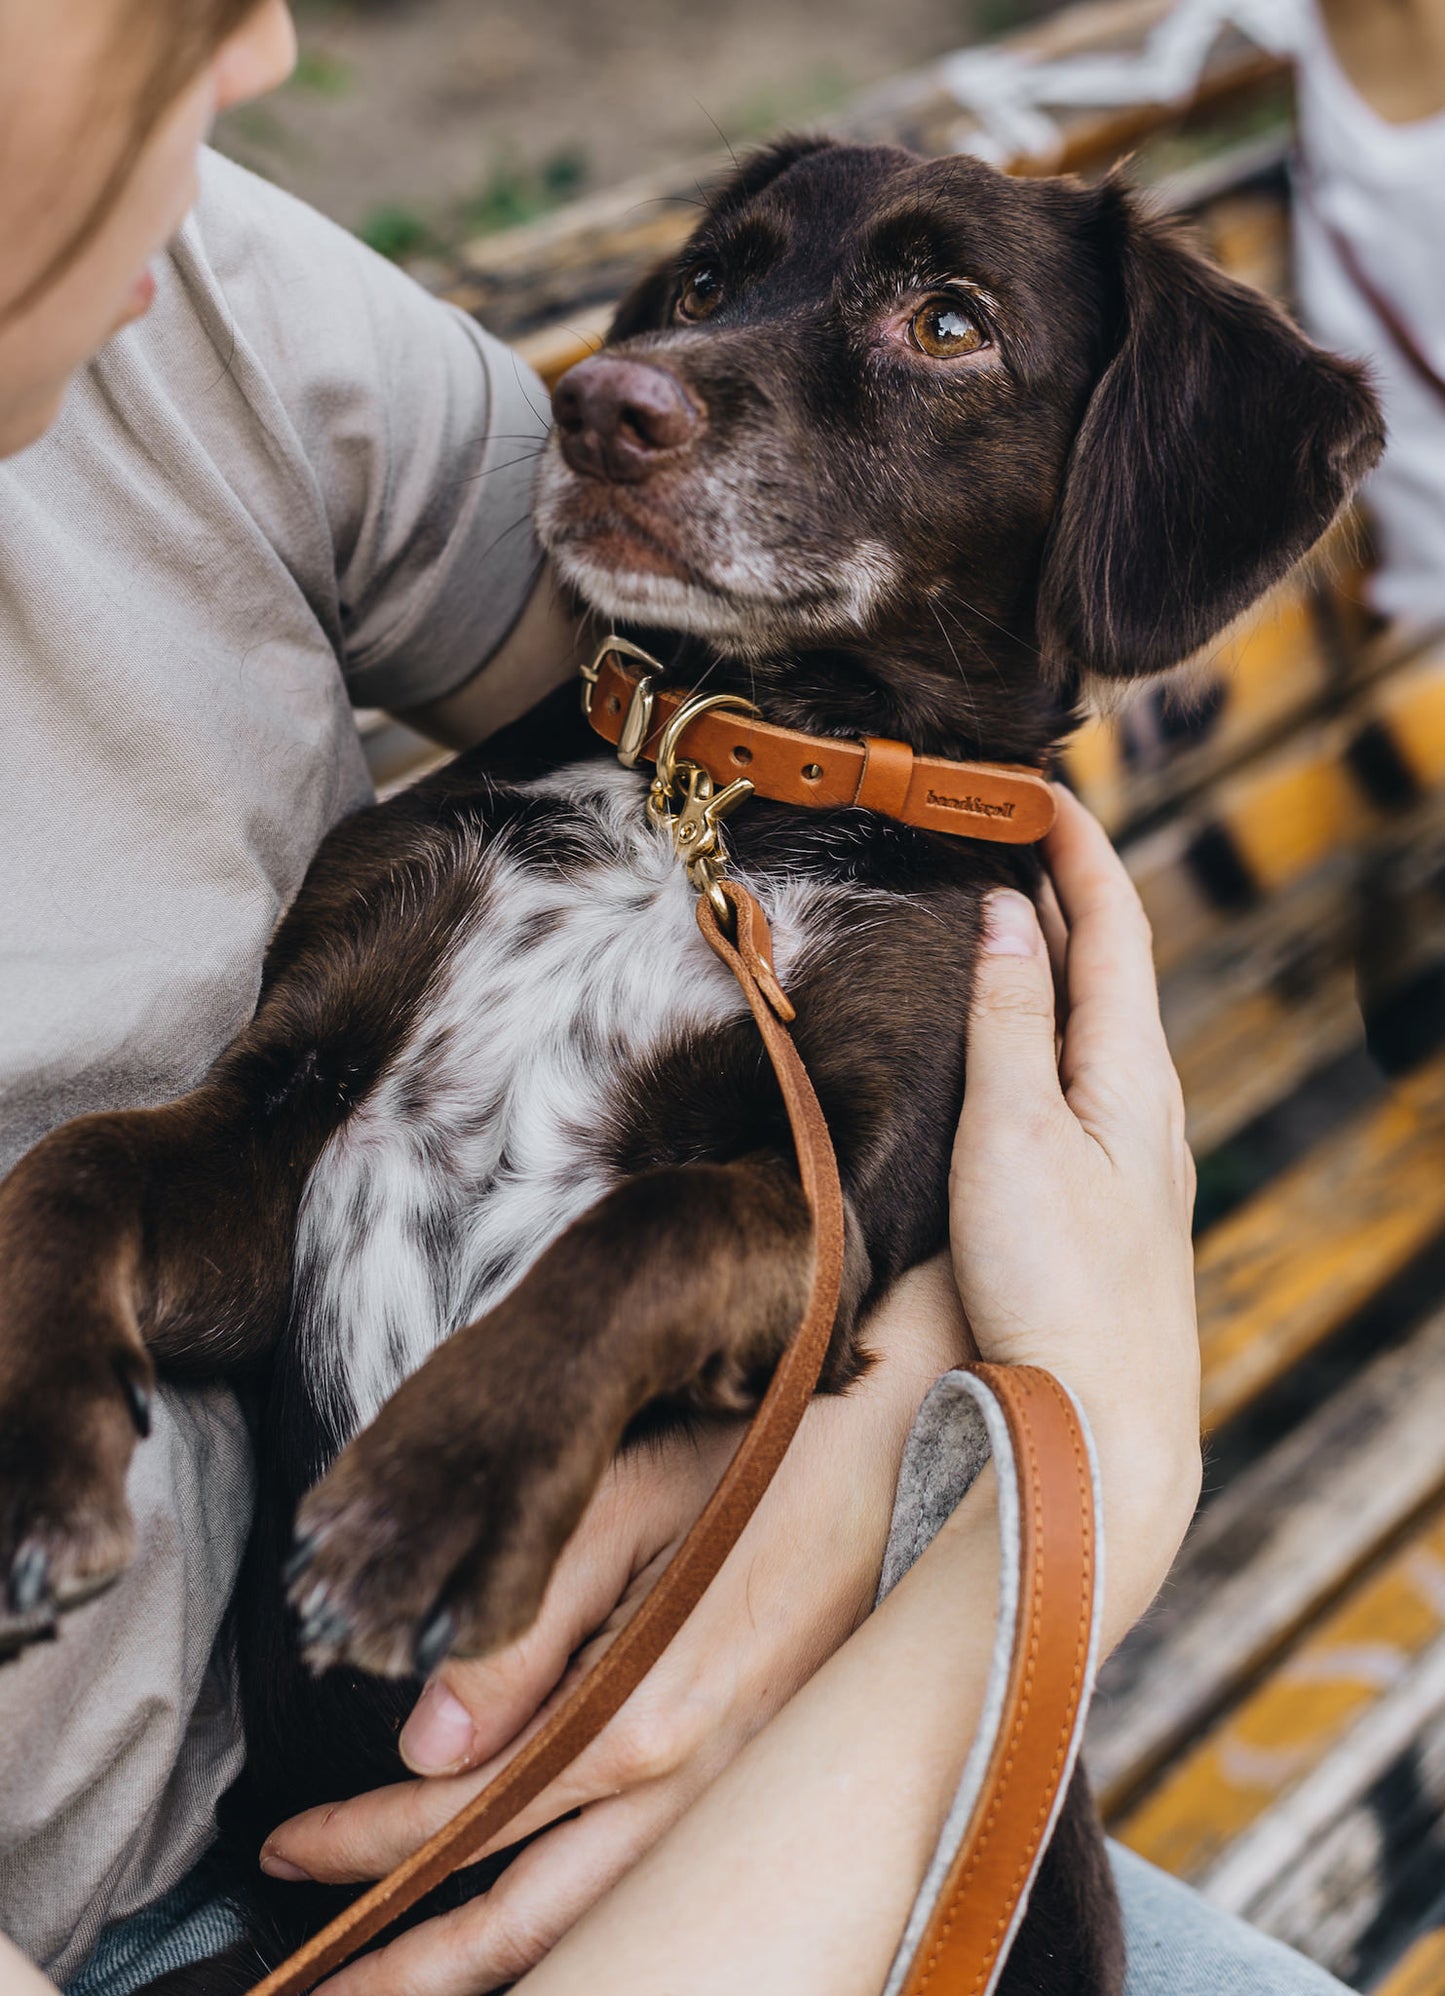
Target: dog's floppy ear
(644, 309)
(1216, 448)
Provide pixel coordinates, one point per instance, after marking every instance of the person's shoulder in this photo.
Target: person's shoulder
(242, 222)
(312, 303)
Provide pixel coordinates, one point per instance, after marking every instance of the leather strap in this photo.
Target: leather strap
(966, 1937)
(1005, 802)
(1407, 343)
(959, 1937)
(607, 1687)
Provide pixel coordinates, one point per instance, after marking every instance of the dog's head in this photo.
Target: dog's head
(948, 440)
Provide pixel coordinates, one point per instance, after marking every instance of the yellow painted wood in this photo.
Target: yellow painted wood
(1277, 1276)
(1273, 664)
(1250, 235)
(556, 348)
(1302, 1710)
(1413, 708)
(1094, 764)
(1304, 808)
(1421, 1973)
(1253, 1047)
(1268, 671)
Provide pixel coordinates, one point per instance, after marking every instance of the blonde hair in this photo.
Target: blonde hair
(160, 46)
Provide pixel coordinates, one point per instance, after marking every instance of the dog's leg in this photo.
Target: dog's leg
(438, 1527)
(127, 1238)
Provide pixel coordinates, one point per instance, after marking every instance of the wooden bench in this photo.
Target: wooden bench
(1275, 1730)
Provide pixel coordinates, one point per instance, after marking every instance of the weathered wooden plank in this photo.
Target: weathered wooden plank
(1270, 1003)
(1276, 992)
(1276, 1277)
(555, 348)
(1268, 825)
(1356, 1850)
(1232, 1813)
(1268, 1554)
(1412, 706)
(1281, 996)
(1166, 744)
(1305, 650)
(584, 256)
(1421, 1972)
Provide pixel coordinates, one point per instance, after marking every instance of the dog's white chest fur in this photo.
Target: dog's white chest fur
(478, 1145)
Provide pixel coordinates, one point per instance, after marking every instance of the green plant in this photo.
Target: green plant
(515, 192)
(792, 103)
(395, 232)
(326, 74)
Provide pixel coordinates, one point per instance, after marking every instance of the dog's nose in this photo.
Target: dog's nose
(620, 418)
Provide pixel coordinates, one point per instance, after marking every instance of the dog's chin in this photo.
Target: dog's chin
(638, 561)
(650, 596)
(632, 580)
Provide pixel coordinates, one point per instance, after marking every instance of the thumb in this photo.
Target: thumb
(1012, 1058)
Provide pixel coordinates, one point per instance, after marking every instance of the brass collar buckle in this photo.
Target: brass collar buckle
(637, 721)
(683, 799)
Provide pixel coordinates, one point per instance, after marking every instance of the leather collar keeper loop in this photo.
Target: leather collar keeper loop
(1007, 803)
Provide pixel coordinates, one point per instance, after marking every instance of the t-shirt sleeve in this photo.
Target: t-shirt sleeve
(417, 431)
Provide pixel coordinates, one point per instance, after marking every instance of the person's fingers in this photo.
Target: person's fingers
(473, 1708)
(498, 1937)
(1115, 1064)
(346, 1843)
(1011, 1058)
(352, 1842)
(1056, 940)
(1113, 997)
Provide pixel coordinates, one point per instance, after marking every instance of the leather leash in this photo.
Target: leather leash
(964, 1940)
(989, 1880)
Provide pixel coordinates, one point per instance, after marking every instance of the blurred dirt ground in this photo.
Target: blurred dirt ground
(421, 122)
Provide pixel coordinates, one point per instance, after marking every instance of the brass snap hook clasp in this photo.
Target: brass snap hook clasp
(687, 803)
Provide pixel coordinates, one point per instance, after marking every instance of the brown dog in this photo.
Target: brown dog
(498, 1173)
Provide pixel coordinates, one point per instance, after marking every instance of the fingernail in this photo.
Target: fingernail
(1011, 927)
(276, 1866)
(437, 1738)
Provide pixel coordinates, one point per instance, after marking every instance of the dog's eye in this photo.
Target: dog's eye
(943, 330)
(701, 294)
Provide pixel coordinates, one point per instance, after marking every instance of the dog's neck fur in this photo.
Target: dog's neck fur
(952, 684)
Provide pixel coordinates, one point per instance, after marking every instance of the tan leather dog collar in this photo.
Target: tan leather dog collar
(1005, 802)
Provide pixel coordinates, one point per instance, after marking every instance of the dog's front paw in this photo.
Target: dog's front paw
(69, 1420)
(437, 1529)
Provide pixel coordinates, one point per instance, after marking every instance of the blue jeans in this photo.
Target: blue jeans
(1178, 1944)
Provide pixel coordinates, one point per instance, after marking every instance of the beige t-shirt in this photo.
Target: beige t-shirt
(298, 485)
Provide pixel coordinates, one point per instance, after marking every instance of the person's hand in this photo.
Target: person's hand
(1072, 1189)
(794, 1588)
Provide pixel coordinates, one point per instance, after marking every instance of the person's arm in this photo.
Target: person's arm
(543, 649)
(18, 1977)
(1070, 1209)
(1394, 56)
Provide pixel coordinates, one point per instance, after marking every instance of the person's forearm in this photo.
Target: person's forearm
(17, 1976)
(795, 1872)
